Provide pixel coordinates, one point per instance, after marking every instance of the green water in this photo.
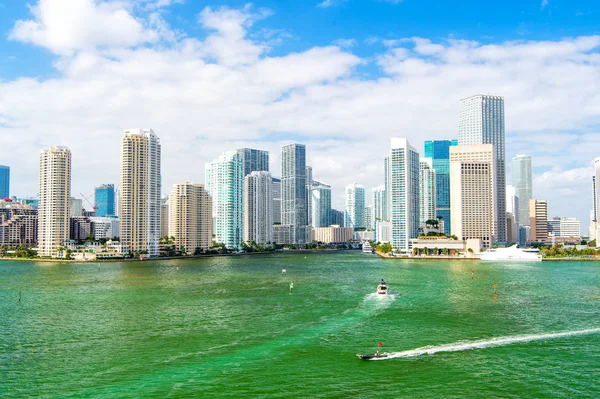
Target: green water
(229, 327)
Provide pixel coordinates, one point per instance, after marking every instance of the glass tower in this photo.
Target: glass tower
(522, 182)
(355, 206)
(254, 160)
(294, 211)
(4, 182)
(105, 200)
(439, 152)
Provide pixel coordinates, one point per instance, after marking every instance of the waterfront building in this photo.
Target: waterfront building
(4, 181)
(565, 227)
(596, 193)
(254, 160)
(481, 121)
(538, 220)
(387, 211)
(276, 190)
(190, 217)
(435, 245)
(427, 187)
(164, 217)
(282, 234)
(439, 152)
(105, 227)
(104, 197)
(55, 193)
(337, 217)
(383, 232)
(80, 228)
(75, 207)
(521, 177)
(379, 200)
(364, 235)
(473, 192)
(369, 224)
(140, 191)
(512, 214)
(258, 207)
(293, 192)
(18, 225)
(355, 206)
(333, 234)
(404, 193)
(320, 198)
(309, 184)
(225, 183)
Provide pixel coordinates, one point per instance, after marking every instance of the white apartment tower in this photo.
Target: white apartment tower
(258, 207)
(521, 176)
(427, 184)
(379, 204)
(512, 214)
(139, 204)
(403, 183)
(190, 217)
(320, 198)
(294, 210)
(355, 206)
(473, 193)
(225, 183)
(54, 200)
(481, 121)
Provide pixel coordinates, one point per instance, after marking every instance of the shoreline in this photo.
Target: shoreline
(438, 257)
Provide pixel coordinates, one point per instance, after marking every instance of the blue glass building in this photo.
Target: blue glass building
(105, 200)
(4, 182)
(439, 152)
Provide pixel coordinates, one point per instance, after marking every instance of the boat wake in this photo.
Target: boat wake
(485, 343)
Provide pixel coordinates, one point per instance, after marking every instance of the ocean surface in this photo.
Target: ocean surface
(229, 327)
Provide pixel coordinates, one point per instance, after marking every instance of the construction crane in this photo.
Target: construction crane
(89, 202)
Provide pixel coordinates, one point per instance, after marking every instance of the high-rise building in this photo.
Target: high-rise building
(427, 187)
(139, 202)
(293, 191)
(355, 206)
(190, 217)
(379, 204)
(309, 183)
(75, 207)
(512, 214)
(276, 189)
(258, 207)
(538, 220)
(521, 177)
(404, 193)
(4, 181)
(596, 189)
(473, 193)
(225, 183)
(55, 193)
(387, 210)
(369, 219)
(105, 200)
(18, 225)
(254, 160)
(164, 216)
(439, 152)
(320, 198)
(481, 121)
(337, 217)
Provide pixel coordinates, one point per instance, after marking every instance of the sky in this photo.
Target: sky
(341, 76)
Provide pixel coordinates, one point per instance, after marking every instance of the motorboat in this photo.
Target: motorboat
(512, 253)
(382, 288)
(371, 356)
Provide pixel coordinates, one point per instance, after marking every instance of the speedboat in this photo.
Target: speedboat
(370, 356)
(382, 288)
(513, 253)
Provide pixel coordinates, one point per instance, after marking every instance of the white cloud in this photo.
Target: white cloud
(544, 4)
(345, 43)
(330, 3)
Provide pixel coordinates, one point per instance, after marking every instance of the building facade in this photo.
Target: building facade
(258, 207)
(75, 207)
(18, 226)
(190, 217)
(355, 206)
(320, 198)
(383, 231)
(538, 220)
(164, 216)
(481, 121)
(225, 184)
(105, 227)
(337, 217)
(512, 215)
(140, 191)
(276, 190)
(521, 177)
(254, 160)
(380, 206)
(105, 200)
(4, 181)
(439, 152)
(333, 234)
(427, 187)
(293, 192)
(54, 201)
(369, 219)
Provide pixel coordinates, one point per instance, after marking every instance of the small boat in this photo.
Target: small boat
(382, 288)
(370, 356)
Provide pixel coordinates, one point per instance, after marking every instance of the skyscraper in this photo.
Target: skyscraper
(473, 192)
(337, 217)
(369, 220)
(404, 193)
(427, 186)
(105, 200)
(140, 187)
(4, 182)
(512, 215)
(309, 183)
(258, 207)
(190, 217)
(439, 152)
(293, 191)
(55, 195)
(596, 189)
(520, 167)
(276, 189)
(320, 197)
(538, 220)
(225, 183)
(481, 121)
(355, 206)
(254, 160)
(379, 204)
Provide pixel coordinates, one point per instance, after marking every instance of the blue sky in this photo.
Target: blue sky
(341, 76)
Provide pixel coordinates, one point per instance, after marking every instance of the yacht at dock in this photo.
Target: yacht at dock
(512, 253)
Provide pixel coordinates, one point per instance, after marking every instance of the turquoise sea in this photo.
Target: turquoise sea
(228, 327)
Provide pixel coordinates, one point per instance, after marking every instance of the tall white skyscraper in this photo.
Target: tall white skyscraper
(379, 204)
(481, 121)
(276, 188)
(427, 183)
(293, 192)
(596, 189)
(320, 197)
(190, 217)
(403, 193)
(140, 191)
(225, 184)
(512, 214)
(355, 206)
(369, 220)
(54, 200)
(521, 177)
(473, 192)
(258, 207)
(309, 183)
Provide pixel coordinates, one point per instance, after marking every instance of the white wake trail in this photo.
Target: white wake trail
(484, 343)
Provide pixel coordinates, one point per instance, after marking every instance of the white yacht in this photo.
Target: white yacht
(511, 253)
(367, 248)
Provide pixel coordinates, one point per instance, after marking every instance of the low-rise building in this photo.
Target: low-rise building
(333, 234)
(424, 246)
(383, 232)
(18, 226)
